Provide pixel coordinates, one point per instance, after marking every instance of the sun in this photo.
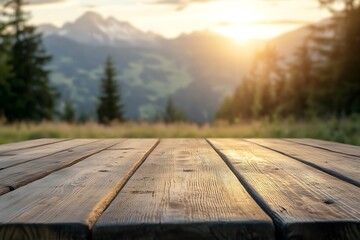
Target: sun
(241, 33)
(240, 25)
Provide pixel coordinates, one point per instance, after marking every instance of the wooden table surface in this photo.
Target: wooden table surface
(179, 189)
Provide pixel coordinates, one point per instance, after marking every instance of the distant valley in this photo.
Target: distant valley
(197, 70)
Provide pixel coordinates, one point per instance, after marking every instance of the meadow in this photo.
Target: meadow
(345, 130)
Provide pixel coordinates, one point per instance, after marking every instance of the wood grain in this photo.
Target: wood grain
(65, 204)
(14, 158)
(183, 190)
(305, 203)
(18, 176)
(4, 189)
(330, 146)
(28, 144)
(339, 165)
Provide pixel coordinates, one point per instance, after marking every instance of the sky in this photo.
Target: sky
(242, 20)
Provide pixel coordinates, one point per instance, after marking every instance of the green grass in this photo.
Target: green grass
(344, 131)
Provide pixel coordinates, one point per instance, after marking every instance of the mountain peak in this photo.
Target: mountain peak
(90, 16)
(47, 29)
(93, 29)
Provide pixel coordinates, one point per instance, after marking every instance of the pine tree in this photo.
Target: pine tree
(172, 113)
(350, 73)
(110, 107)
(260, 92)
(30, 96)
(84, 118)
(300, 83)
(69, 112)
(338, 83)
(226, 110)
(5, 69)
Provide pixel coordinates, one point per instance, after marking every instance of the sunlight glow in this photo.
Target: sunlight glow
(250, 32)
(245, 23)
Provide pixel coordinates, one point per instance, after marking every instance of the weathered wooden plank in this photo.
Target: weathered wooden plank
(4, 189)
(305, 203)
(14, 158)
(65, 204)
(330, 146)
(28, 144)
(20, 175)
(183, 190)
(339, 165)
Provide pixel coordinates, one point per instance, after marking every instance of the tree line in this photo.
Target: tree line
(321, 79)
(25, 90)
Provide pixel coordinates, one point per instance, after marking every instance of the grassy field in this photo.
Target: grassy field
(345, 130)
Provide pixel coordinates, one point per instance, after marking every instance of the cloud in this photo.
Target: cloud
(37, 4)
(257, 23)
(180, 4)
(89, 6)
(41, 2)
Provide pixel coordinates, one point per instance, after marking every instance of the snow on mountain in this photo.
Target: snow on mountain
(91, 28)
(47, 29)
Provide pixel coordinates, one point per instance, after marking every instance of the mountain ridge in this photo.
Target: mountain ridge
(91, 28)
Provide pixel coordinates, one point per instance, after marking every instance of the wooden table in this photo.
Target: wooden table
(179, 189)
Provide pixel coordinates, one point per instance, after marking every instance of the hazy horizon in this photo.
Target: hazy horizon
(245, 41)
(240, 20)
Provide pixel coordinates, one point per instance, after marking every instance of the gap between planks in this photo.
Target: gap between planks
(346, 168)
(346, 149)
(17, 157)
(5, 148)
(257, 197)
(17, 176)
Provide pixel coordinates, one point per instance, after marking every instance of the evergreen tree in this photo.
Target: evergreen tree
(338, 83)
(226, 111)
(300, 83)
(69, 112)
(172, 113)
(29, 96)
(268, 80)
(260, 92)
(350, 74)
(84, 118)
(5, 69)
(110, 107)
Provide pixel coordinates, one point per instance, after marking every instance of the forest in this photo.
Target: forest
(322, 79)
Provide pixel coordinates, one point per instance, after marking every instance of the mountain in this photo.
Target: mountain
(198, 70)
(290, 41)
(94, 30)
(47, 29)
